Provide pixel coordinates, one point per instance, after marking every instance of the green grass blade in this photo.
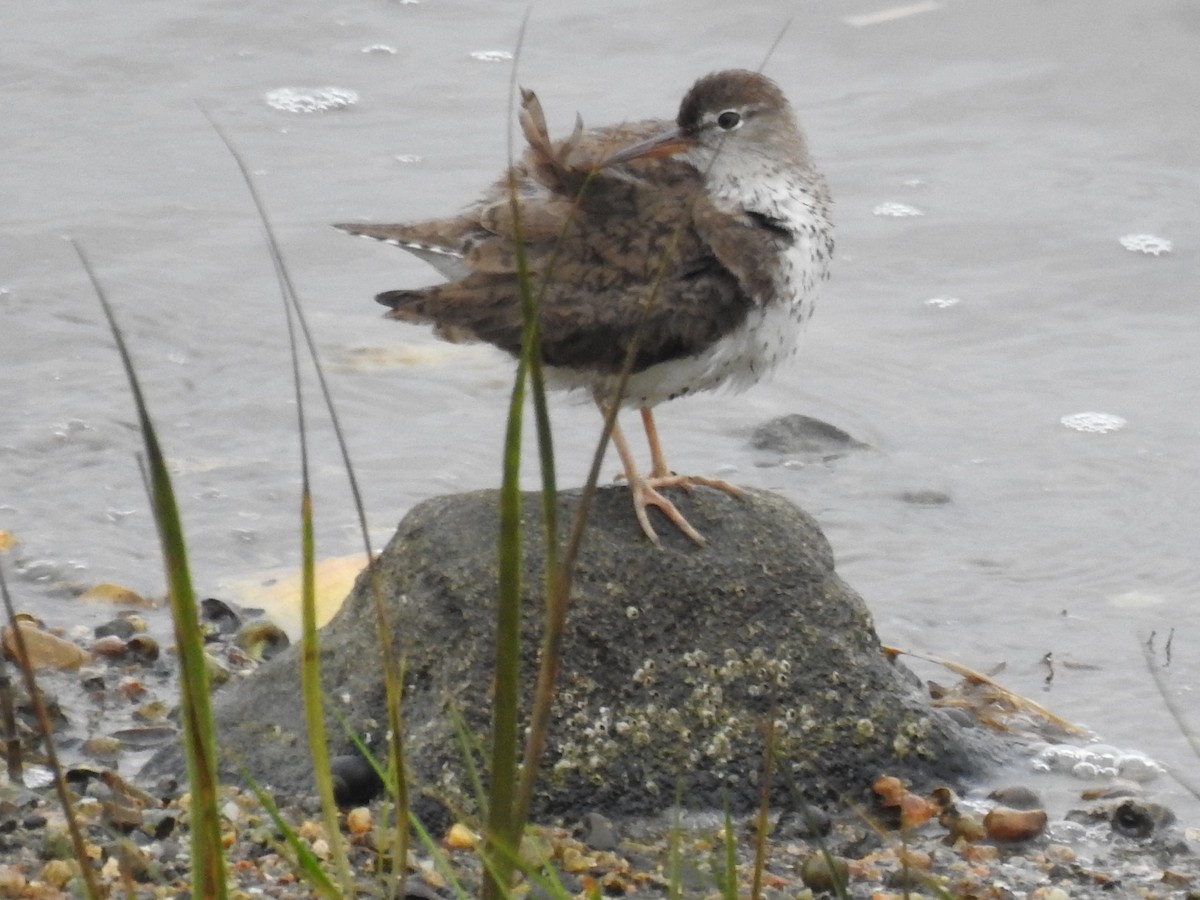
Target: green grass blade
(208, 862)
(763, 819)
(504, 823)
(839, 888)
(391, 669)
(470, 750)
(503, 829)
(13, 761)
(310, 682)
(308, 866)
(431, 846)
(675, 857)
(774, 45)
(310, 645)
(727, 873)
(440, 862)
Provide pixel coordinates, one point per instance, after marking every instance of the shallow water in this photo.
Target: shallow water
(1031, 137)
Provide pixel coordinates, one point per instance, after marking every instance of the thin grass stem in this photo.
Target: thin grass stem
(728, 870)
(391, 666)
(208, 862)
(504, 823)
(308, 866)
(90, 888)
(763, 820)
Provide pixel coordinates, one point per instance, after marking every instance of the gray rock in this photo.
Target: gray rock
(673, 661)
(1017, 796)
(597, 832)
(797, 435)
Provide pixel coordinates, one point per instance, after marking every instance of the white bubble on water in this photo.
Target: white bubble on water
(408, 158)
(896, 210)
(1096, 762)
(1093, 422)
(380, 48)
(943, 302)
(1147, 243)
(309, 100)
(36, 777)
(491, 55)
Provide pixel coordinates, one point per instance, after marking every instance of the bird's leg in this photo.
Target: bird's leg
(661, 474)
(658, 462)
(644, 492)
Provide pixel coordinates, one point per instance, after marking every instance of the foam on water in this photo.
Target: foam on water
(1150, 244)
(1093, 422)
(1094, 762)
(310, 100)
(896, 210)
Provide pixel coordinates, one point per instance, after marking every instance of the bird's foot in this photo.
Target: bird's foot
(687, 482)
(646, 493)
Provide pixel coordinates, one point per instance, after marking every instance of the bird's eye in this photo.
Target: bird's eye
(729, 120)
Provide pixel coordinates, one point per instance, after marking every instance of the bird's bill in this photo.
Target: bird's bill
(667, 144)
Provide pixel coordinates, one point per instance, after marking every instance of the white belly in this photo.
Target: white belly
(766, 338)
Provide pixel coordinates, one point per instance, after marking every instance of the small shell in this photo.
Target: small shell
(358, 820)
(460, 837)
(963, 827)
(152, 711)
(818, 875)
(143, 648)
(1139, 818)
(261, 639)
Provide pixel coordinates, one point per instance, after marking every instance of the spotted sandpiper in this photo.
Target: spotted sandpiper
(690, 252)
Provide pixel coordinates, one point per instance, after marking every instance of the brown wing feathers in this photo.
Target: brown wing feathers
(603, 264)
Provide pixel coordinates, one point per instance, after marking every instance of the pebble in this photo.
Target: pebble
(1139, 818)
(1016, 797)
(45, 650)
(798, 435)
(810, 822)
(597, 832)
(261, 639)
(115, 594)
(1012, 825)
(355, 780)
(38, 849)
(358, 820)
(150, 840)
(825, 874)
(142, 648)
(120, 627)
(460, 837)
